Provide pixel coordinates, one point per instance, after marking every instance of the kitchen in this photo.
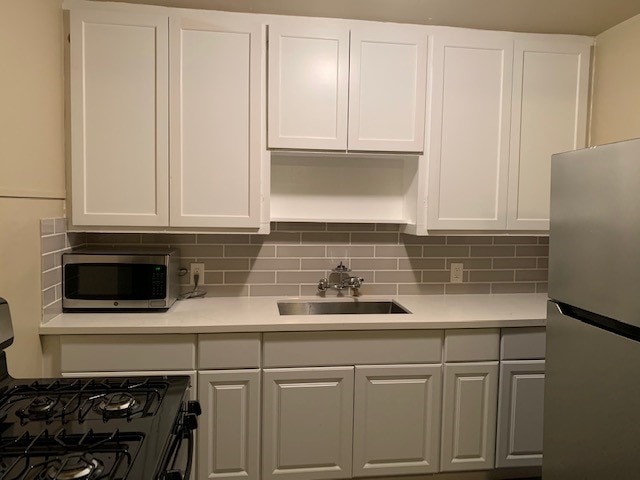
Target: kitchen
(33, 185)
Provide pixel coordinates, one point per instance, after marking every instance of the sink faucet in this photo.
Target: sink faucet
(344, 280)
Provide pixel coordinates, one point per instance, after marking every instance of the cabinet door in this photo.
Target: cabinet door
(387, 88)
(308, 86)
(521, 403)
(469, 416)
(119, 139)
(396, 420)
(308, 417)
(215, 122)
(469, 151)
(550, 93)
(228, 434)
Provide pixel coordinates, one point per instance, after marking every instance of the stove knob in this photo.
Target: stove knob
(190, 422)
(174, 475)
(193, 406)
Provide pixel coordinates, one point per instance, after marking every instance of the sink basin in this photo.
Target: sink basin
(340, 308)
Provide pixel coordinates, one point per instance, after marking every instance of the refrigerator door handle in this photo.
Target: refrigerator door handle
(600, 321)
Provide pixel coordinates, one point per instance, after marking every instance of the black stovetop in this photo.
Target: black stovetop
(103, 428)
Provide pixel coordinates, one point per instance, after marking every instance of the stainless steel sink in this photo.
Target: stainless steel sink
(340, 308)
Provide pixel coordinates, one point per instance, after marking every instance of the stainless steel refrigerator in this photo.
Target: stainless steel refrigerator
(592, 388)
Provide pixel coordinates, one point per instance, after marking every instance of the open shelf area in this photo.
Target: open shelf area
(336, 187)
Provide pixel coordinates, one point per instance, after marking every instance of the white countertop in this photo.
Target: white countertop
(260, 314)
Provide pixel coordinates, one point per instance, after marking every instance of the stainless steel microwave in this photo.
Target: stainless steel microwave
(136, 279)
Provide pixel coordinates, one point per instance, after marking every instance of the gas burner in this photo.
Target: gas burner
(74, 467)
(41, 407)
(118, 404)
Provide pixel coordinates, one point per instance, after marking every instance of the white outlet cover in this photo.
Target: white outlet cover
(196, 268)
(456, 272)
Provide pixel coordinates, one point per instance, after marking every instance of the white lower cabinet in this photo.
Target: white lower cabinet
(334, 422)
(520, 414)
(308, 417)
(396, 426)
(382, 404)
(469, 416)
(229, 432)
(521, 397)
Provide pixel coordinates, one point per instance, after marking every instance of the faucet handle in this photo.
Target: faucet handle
(341, 268)
(323, 285)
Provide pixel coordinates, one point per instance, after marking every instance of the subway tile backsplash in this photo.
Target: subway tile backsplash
(294, 256)
(54, 241)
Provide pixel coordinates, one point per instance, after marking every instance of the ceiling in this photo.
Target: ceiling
(584, 17)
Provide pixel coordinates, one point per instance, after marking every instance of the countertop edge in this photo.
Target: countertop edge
(300, 327)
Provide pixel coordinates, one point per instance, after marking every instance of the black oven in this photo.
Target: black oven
(133, 428)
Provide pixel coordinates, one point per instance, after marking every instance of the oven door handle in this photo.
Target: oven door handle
(190, 446)
(186, 432)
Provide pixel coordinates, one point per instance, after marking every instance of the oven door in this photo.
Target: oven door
(114, 281)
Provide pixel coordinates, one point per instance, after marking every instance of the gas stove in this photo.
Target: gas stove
(117, 428)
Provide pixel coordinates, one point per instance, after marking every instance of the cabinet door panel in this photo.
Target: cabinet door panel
(308, 87)
(520, 411)
(228, 435)
(396, 420)
(215, 129)
(470, 131)
(469, 416)
(550, 96)
(387, 89)
(119, 118)
(308, 416)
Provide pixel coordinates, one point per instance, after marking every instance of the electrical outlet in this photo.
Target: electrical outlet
(456, 272)
(196, 269)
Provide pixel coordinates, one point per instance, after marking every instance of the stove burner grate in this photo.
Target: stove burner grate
(64, 456)
(75, 399)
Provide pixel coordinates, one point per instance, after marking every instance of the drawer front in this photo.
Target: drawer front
(305, 349)
(523, 343)
(113, 353)
(472, 345)
(228, 351)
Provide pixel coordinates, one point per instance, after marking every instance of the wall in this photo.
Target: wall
(291, 260)
(31, 162)
(616, 90)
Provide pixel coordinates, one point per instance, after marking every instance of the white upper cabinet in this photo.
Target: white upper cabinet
(119, 118)
(550, 94)
(469, 148)
(166, 119)
(215, 121)
(387, 88)
(308, 86)
(322, 72)
(503, 103)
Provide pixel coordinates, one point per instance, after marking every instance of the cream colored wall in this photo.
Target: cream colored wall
(31, 161)
(616, 86)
